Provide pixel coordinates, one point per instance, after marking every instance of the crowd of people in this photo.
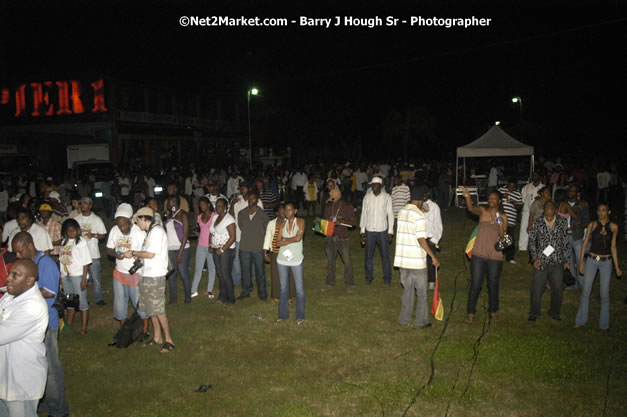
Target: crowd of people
(243, 219)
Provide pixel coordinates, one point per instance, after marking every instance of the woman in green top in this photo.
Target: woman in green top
(290, 257)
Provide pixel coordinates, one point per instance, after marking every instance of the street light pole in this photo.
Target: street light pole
(254, 92)
(518, 100)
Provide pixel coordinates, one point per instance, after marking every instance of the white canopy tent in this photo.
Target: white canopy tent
(494, 143)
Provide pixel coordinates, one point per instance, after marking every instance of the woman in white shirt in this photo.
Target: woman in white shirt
(74, 261)
(222, 247)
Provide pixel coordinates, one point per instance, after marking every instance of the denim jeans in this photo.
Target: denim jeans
(182, 269)
(254, 259)
(202, 256)
(236, 270)
(18, 408)
(378, 239)
(575, 255)
(414, 282)
(284, 306)
(510, 252)
(276, 282)
(122, 294)
(72, 285)
(95, 274)
(224, 266)
(605, 272)
(553, 273)
(491, 270)
(54, 402)
(334, 245)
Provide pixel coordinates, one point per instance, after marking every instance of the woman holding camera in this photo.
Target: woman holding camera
(74, 260)
(486, 260)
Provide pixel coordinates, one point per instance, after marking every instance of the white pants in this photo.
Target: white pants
(523, 239)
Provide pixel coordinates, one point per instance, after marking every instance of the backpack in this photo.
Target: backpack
(130, 331)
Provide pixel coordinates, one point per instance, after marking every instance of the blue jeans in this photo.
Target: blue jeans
(54, 401)
(182, 269)
(491, 270)
(224, 266)
(575, 246)
(256, 259)
(605, 272)
(414, 283)
(378, 239)
(95, 273)
(72, 285)
(284, 307)
(236, 271)
(202, 255)
(122, 294)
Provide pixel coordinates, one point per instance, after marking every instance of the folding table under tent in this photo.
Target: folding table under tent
(494, 143)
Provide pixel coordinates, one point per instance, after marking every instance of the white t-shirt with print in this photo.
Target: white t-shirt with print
(92, 223)
(122, 243)
(73, 257)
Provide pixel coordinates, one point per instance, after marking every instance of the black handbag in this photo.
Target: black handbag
(504, 244)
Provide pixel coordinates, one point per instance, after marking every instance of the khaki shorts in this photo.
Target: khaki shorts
(152, 296)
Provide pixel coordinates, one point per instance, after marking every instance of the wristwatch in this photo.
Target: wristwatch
(133, 252)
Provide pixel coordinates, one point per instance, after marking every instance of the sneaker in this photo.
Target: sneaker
(531, 317)
(513, 262)
(556, 318)
(101, 303)
(431, 286)
(209, 295)
(426, 326)
(195, 294)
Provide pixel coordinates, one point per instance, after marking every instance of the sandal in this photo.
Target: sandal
(470, 318)
(152, 343)
(494, 317)
(167, 347)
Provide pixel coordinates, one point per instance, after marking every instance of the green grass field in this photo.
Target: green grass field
(351, 358)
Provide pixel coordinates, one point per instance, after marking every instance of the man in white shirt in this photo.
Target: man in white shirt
(433, 217)
(154, 255)
(411, 258)
(123, 237)
(11, 225)
(232, 185)
(41, 238)
(92, 230)
(23, 324)
(361, 178)
(376, 224)
(297, 185)
(603, 185)
(529, 194)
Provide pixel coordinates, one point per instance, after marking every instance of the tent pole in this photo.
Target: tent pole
(464, 170)
(456, 179)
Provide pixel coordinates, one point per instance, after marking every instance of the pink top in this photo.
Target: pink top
(204, 239)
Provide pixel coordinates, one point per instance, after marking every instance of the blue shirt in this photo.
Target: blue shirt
(49, 281)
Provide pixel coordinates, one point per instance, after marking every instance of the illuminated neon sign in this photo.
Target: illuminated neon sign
(55, 98)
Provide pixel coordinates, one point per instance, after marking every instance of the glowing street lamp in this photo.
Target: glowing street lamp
(251, 92)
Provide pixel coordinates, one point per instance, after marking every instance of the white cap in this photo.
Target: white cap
(124, 210)
(376, 180)
(55, 195)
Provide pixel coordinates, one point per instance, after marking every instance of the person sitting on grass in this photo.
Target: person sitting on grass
(74, 261)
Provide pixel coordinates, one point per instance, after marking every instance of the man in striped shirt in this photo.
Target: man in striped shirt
(400, 195)
(411, 258)
(512, 202)
(268, 198)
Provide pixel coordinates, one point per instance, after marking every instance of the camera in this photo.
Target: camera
(70, 301)
(136, 267)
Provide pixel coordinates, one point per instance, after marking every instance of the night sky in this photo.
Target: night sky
(567, 62)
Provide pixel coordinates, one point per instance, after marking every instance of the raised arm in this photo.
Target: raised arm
(469, 204)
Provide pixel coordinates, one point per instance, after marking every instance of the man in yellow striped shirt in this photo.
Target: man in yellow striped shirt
(411, 258)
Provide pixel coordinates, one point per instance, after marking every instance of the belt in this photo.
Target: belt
(600, 258)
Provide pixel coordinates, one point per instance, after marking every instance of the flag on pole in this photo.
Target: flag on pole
(471, 242)
(437, 307)
(325, 227)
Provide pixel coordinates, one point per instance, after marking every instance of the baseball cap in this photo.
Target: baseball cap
(418, 192)
(376, 180)
(55, 195)
(145, 211)
(124, 210)
(45, 207)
